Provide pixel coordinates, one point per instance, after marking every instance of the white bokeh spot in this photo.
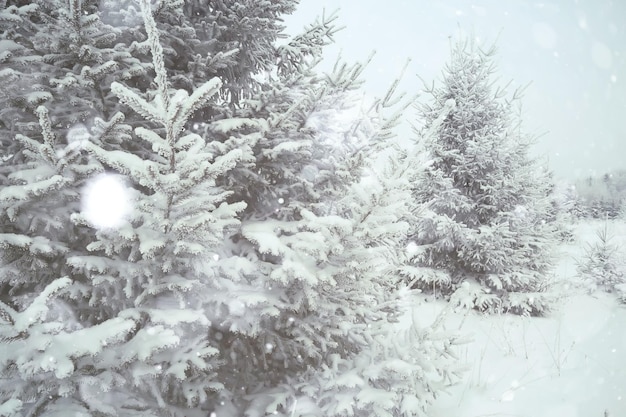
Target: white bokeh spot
(77, 138)
(412, 248)
(106, 201)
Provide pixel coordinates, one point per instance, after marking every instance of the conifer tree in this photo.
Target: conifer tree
(602, 267)
(254, 270)
(382, 368)
(126, 325)
(284, 179)
(488, 220)
(315, 263)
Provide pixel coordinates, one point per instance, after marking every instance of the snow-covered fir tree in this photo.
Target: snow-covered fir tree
(40, 184)
(602, 266)
(374, 373)
(302, 285)
(488, 219)
(320, 256)
(252, 271)
(127, 336)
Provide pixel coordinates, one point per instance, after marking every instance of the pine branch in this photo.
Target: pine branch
(198, 99)
(157, 52)
(46, 126)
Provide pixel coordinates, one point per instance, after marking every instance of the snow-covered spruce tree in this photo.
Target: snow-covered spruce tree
(297, 169)
(385, 362)
(40, 178)
(128, 336)
(603, 266)
(488, 217)
(311, 281)
(273, 182)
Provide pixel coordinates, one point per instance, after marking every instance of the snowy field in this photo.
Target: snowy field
(569, 364)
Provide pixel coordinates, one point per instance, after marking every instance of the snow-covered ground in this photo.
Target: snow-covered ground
(569, 364)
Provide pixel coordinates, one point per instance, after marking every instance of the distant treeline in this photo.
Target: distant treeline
(599, 196)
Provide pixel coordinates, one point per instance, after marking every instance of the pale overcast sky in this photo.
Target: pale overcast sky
(572, 52)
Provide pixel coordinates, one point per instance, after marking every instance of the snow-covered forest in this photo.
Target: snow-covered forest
(196, 220)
